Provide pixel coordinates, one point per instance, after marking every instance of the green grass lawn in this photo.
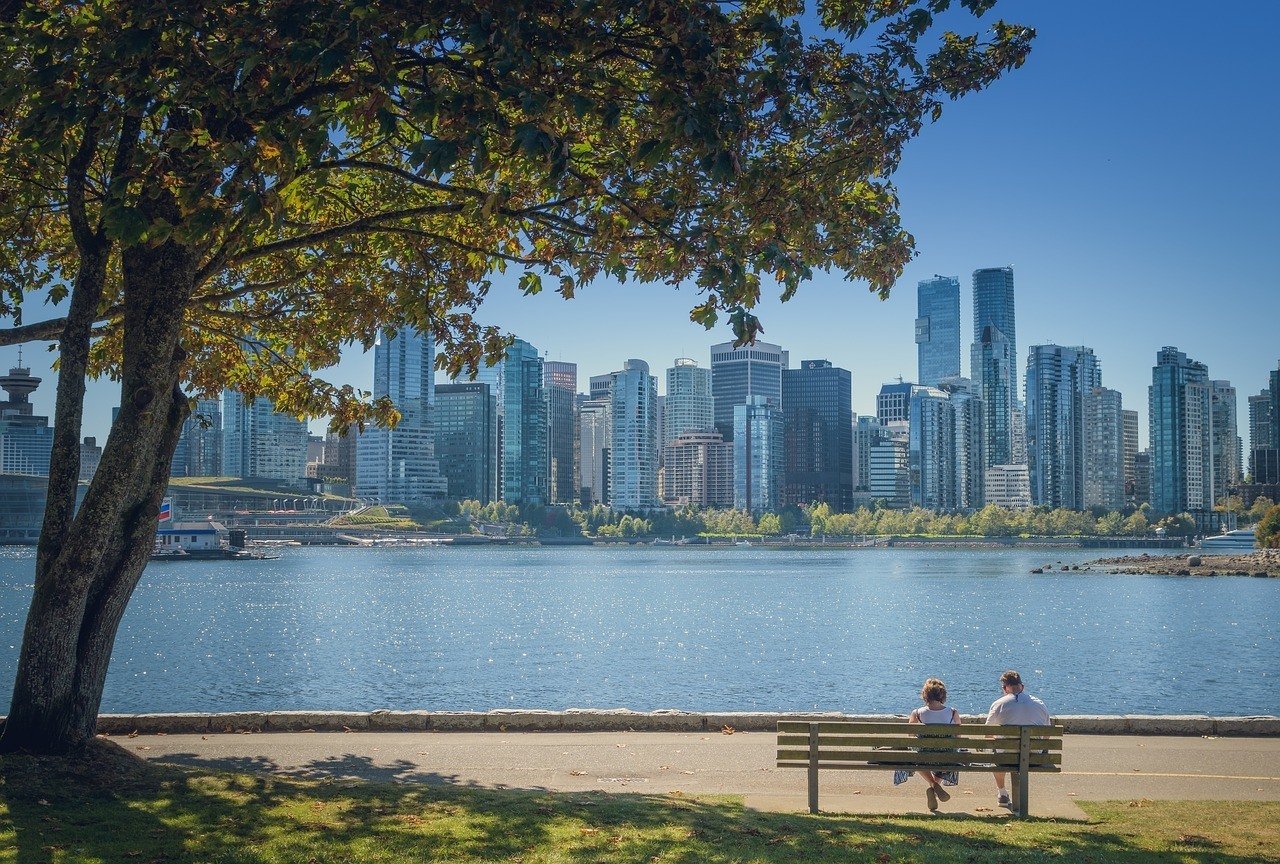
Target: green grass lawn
(113, 808)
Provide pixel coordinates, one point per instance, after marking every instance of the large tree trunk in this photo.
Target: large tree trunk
(84, 582)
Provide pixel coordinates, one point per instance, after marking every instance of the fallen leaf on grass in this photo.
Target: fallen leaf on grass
(1194, 840)
(589, 830)
(1140, 803)
(982, 809)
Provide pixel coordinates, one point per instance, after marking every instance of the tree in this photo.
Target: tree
(225, 195)
(1268, 531)
(1259, 509)
(770, 524)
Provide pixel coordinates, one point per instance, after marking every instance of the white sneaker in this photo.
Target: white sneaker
(1002, 798)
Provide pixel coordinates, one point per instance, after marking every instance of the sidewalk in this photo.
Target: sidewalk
(1095, 767)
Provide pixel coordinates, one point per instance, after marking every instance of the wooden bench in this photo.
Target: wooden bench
(859, 746)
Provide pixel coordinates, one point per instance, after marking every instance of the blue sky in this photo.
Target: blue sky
(1128, 172)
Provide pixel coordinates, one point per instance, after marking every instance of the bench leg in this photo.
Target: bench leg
(813, 768)
(1023, 796)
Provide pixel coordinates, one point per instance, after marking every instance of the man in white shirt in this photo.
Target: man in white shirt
(1014, 708)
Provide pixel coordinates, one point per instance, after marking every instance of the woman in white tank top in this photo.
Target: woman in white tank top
(934, 713)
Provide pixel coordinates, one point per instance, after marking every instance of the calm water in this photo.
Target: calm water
(735, 629)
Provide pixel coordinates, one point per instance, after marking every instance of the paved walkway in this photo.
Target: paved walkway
(1095, 767)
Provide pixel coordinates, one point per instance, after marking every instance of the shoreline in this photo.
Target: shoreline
(1261, 564)
(623, 720)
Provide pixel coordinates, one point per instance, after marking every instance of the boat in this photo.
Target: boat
(1243, 540)
(742, 543)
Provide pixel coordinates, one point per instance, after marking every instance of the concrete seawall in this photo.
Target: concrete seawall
(621, 720)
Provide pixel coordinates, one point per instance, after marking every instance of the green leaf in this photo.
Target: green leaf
(125, 224)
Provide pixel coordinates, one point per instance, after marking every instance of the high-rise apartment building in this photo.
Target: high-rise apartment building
(938, 329)
(595, 427)
(889, 463)
(466, 430)
(1008, 486)
(199, 450)
(1260, 429)
(398, 465)
(994, 359)
(817, 401)
(1224, 438)
(994, 373)
(739, 374)
(1142, 478)
(758, 456)
(1104, 444)
(562, 429)
(932, 453)
(1180, 434)
(688, 406)
(526, 460)
(866, 433)
(26, 438)
(1266, 460)
(1130, 419)
(1018, 433)
(598, 386)
(633, 458)
(893, 407)
(1058, 378)
(970, 443)
(698, 470)
(90, 457)
(260, 442)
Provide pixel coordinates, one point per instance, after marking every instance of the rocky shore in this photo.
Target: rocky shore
(1262, 563)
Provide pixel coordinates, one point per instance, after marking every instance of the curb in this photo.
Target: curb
(623, 720)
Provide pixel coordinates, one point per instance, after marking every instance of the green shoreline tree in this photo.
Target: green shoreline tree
(225, 195)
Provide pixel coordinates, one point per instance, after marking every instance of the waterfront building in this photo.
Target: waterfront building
(261, 443)
(698, 470)
(199, 449)
(994, 358)
(1058, 378)
(741, 373)
(688, 406)
(866, 432)
(1180, 434)
(889, 463)
(938, 329)
(466, 430)
(1008, 486)
(1104, 445)
(758, 455)
(90, 456)
(1260, 429)
(1018, 433)
(970, 442)
(1142, 478)
(525, 461)
(595, 426)
(26, 438)
(1130, 420)
(633, 463)
(994, 371)
(931, 453)
(398, 465)
(561, 381)
(1224, 439)
(817, 400)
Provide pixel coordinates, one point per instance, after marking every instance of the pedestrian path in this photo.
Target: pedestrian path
(1095, 767)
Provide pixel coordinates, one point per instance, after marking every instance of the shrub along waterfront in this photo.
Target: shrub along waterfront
(819, 520)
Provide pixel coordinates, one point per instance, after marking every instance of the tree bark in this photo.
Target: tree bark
(84, 582)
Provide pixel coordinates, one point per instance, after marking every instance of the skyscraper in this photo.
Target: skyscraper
(1260, 430)
(1104, 445)
(562, 390)
(1180, 426)
(893, 407)
(595, 427)
(758, 460)
(738, 374)
(1018, 433)
(398, 465)
(699, 470)
(260, 442)
(199, 450)
(1057, 380)
(26, 438)
(526, 462)
(1130, 419)
(938, 329)
(995, 377)
(931, 451)
(466, 430)
(994, 359)
(633, 457)
(970, 443)
(1225, 438)
(817, 400)
(688, 406)
(867, 432)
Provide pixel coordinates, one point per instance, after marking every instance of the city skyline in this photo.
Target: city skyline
(1108, 248)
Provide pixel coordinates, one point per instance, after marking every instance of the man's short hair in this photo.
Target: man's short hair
(1011, 679)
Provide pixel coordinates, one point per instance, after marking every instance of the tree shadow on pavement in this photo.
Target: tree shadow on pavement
(112, 806)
